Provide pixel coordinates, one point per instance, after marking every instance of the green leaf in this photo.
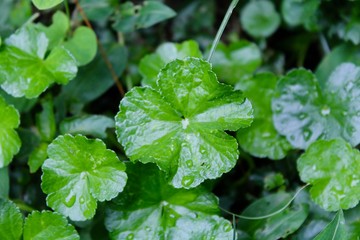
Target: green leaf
(38, 157)
(9, 140)
(24, 70)
(94, 125)
(45, 121)
(97, 10)
(4, 183)
(304, 112)
(335, 230)
(83, 45)
(151, 64)
(153, 12)
(181, 127)
(259, 18)
(237, 61)
(277, 226)
(261, 139)
(11, 221)
(48, 225)
(46, 4)
(332, 168)
(78, 172)
(149, 208)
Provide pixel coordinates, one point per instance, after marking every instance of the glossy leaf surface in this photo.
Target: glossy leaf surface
(9, 140)
(11, 222)
(46, 4)
(305, 112)
(332, 168)
(181, 127)
(149, 208)
(335, 230)
(24, 69)
(78, 172)
(261, 138)
(48, 225)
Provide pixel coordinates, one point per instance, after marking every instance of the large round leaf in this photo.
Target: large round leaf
(181, 126)
(78, 172)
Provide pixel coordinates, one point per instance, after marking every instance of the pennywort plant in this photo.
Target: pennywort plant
(146, 120)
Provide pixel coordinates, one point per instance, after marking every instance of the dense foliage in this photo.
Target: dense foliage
(120, 121)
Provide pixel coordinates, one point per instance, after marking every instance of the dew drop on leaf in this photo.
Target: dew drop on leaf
(148, 228)
(307, 134)
(349, 86)
(189, 163)
(202, 150)
(130, 236)
(344, 113)
(303, 116)
(278, 108)
(266, 134)
(82, 200)
(70, 200)
(187, 181)
(325, 110)
(227, 227)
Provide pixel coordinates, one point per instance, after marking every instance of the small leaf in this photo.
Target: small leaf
(48, 225)
(97, 10)
(335, 230)
(94, 125)
(78, 172)
(45, 121)
(11, 221)
(83, 45)
(237, 61)
(153, 12)
(304, 112)
(151, 64)
(261, 139)
(181, 128)
(9, 140)
(46, 4)
(332, 168)
(149, 208)
(38, 157)
(24, 70)
(259, 18)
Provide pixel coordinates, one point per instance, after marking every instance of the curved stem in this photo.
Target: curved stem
(222, 27)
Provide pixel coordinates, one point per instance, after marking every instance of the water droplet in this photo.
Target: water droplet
(187, 181)
(292, 137)
(82, 199)
(185, 123)
(227, 227)
(344, 113)
(325, 110)
(172, 216)
(148, 228)
(130, 236)
(70, 200)
(266, 134)
(349, 86)
(189, 163)
(314, 167)
(278, 108)
(351, 129)
(202, 150)
(307, 134)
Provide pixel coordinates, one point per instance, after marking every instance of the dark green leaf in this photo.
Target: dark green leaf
(48, 225)
(181, 128)
(79, 172)
(153, 12)
(335, 230)
(149, 208)
(45, 121)
(97, 10)
(4, 183)
(331, 166)
(11, 221)
(38, 157)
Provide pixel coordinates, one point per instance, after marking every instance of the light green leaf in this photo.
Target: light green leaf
(11, 221)
(48, 225)
(151, 64)
(153, 12)
(78, 172)
(149, 208)
(24, 70)
(83, 45)
(259, 18)
(261, 139)
(45, 121)
(46, 4)
(9, 140)
(38, 157)
(237, 61)
(304, 112)
(332, 168)
(4, 183)
(335, 230)
(181, 127)
(94, 125)
(277, 226)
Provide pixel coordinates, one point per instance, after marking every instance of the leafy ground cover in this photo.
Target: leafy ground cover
(196, 119)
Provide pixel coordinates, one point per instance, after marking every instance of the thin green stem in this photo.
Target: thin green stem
(23, 206)
(66, 4)
(222, 28)
(324, 44)
(268, 215)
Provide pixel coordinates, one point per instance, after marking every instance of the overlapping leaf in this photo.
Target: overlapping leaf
(46, 4)
(181, 126)
(11, 222)
(149, 208)
(9, 139)
(335, 230)
(261, 138)
(24, 69)
(79, 172)
(304, 111)
(48, 225)
(151, 64)
(332, 167)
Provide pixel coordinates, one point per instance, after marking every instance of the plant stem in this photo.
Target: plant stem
(324, 44)
(66, 4)
(222, 27)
